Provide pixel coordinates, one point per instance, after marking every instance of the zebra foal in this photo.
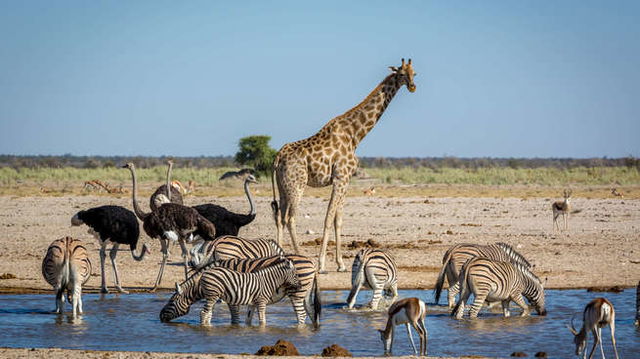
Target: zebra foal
(498, 281)
(234, 288)
(456, 256)
(374, 269)
(67, 267)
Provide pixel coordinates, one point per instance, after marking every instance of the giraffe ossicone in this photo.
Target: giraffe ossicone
(328, 158)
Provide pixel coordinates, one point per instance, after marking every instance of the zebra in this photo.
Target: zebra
(67, 267)
(229, 247)
(456, 256)
(301, 299)
(374, 269)
(498, 281)
(234, 288)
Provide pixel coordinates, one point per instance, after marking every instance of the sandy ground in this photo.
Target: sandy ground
(601, 247)
(8, 353)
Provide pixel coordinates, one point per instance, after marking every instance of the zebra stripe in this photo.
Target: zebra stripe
(228, 247)
(498, 281)
(234, 288)
(66, 267)
(301, 299)
(376, 270)
(456, 256)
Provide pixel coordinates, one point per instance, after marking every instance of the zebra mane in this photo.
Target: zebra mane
(526, 271)
(279, 261)
(514, 255)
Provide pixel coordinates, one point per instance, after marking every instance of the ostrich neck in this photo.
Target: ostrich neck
(140, 256)
(136, 208)
(169, 181)
(252, 211)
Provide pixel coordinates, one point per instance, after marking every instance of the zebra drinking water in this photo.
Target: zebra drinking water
(498, 281)
(234, 288)
(456, 256)
(374, 269)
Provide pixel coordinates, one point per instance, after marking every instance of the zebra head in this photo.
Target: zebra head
(534, 290)
(178, 305)
(291, 279)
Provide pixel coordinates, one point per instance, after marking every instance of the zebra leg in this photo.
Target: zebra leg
(464, 296)
(207, 311)
(351, 301)
(451, 295)
(250, 310)
(478, 301)
(164, 247)
(76, 298)
(505, 307)
(262, 313)
(103, 257)
(521, 303)
(375, 300)
(112, 254)
(413, 345)
(299, 308)
(59, 300)
(234, 309)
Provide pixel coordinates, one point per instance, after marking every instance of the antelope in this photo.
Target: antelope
(615, 193)
(597, 314)
(409, 311)
(562, 207)
(369, 191)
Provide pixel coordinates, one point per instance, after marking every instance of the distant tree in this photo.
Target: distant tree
(255, 151)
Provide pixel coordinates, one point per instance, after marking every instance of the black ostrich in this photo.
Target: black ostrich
(114, 224)
(171, 222)
(227, 223)
(160, 196)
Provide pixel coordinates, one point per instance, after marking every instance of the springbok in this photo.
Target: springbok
(562, 208)
(409, 311)
(597, 314)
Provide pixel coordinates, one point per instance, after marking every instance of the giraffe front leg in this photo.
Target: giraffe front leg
(337, 195)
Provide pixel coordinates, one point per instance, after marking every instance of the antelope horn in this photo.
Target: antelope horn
(572, 327)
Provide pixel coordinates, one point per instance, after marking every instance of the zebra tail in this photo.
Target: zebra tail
(462, 282)
(314, 314)
(357, 276)
(440, 281)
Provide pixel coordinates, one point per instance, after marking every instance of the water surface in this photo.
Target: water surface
(130, 322)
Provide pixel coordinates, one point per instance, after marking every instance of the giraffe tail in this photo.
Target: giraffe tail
(274, 203)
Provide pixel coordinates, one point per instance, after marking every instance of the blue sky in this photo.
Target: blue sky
(495, 78)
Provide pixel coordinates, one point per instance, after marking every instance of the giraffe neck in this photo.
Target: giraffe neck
(361, 119)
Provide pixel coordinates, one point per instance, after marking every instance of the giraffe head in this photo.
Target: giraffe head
(405, 75)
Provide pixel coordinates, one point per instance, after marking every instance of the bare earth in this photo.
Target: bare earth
(601, 248)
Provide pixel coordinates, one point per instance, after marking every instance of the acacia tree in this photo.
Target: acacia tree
(255, 151)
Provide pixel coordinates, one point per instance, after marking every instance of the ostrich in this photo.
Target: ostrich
(171, 221)
(160, 196)
(114, 224)
(227, 223)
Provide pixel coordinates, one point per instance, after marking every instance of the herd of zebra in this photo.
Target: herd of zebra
(257, 272)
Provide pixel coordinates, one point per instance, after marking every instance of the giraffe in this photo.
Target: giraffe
(328, 158)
